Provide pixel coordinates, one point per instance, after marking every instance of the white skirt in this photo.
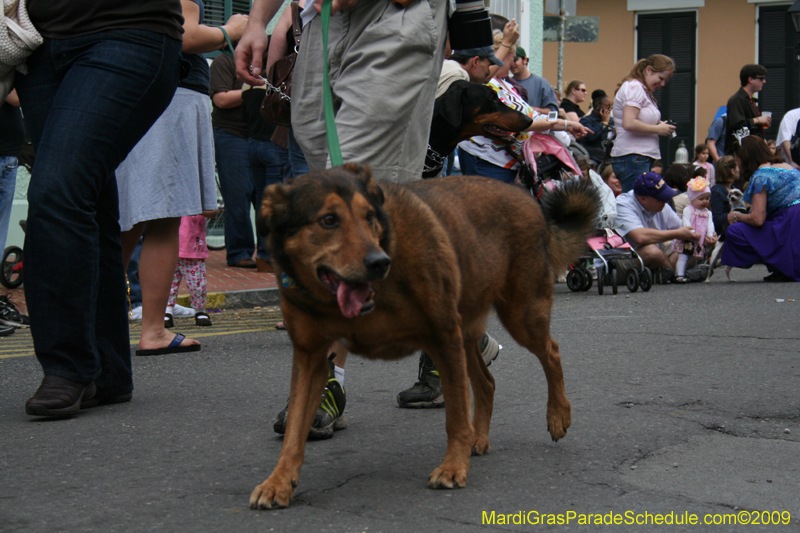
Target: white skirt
(170, 172)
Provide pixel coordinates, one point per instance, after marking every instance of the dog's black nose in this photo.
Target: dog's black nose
(377, 263)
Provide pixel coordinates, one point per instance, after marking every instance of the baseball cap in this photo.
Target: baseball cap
(520, 53)
(483, 51)
(653, 185)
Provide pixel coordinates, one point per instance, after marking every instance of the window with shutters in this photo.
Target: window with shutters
(675, 35)
(777, 52)
(219, 11)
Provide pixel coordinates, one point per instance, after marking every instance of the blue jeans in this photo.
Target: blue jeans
(87, 100)
(8, 184)
(475, 166)
(269, 164)
(239, 193)
(297, 160)
(629, 167)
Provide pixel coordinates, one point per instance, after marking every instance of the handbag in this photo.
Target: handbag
(18, 40)
(276, 107)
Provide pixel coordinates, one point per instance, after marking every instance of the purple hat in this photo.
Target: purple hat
(653, 185)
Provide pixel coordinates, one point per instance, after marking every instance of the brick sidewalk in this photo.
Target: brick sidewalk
(221, 279)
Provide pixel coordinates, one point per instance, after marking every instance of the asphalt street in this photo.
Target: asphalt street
(684, 404)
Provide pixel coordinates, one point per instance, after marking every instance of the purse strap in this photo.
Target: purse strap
(297, 28)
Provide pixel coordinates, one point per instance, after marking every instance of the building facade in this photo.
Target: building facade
(710, 40)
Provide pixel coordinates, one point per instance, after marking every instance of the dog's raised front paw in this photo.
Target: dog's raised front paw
(272, 494)
(447, 477)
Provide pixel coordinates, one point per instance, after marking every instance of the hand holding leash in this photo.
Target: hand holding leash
(249, 53)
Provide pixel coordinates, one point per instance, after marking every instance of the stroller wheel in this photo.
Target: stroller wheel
(646, 279)
(587, 280)
(601, 279)
(632, 280)
(614, 288)
(11, 268)
(575, 279)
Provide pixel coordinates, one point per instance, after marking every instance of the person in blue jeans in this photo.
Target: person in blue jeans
(239, 187)
(12, 139)
(638, 119)
(93, 89)
(273, 153)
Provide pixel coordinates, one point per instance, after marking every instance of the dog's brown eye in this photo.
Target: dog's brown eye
(329, 221)
(370, 217)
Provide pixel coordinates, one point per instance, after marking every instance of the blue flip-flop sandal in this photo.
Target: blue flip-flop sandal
(174, 347)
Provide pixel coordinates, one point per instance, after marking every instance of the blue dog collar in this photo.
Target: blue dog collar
(287, 282)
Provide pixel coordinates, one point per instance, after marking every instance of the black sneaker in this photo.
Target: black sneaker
(427, 391)
(9, 316)
(330, 414)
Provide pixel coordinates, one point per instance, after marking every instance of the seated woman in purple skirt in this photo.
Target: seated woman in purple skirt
(770, 233)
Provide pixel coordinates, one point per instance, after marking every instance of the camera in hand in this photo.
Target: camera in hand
(672, 123)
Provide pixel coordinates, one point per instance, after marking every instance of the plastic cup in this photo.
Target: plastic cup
(766, 114)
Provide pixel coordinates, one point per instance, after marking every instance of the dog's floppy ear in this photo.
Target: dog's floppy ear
(448, 106)
(364, 175)
(274, 208)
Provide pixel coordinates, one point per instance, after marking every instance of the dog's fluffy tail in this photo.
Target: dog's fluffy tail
(571, 212)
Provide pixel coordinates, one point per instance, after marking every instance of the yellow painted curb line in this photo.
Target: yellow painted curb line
(216, 300)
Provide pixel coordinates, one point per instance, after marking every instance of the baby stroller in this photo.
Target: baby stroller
(11, 265)
(612, 257)
(544, 162)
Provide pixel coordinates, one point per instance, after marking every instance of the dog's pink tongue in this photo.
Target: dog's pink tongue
(352, 297)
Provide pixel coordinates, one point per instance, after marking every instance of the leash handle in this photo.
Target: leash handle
(334, 149)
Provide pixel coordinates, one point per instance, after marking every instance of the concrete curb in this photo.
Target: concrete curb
(238, 299)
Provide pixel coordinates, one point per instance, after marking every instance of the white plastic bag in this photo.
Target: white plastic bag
(18, 40)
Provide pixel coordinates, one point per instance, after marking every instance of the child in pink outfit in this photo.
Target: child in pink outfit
(192, 268)
(701, 160)
(698, 216)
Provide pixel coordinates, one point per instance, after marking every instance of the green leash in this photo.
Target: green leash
(228, 40)
(327, 97)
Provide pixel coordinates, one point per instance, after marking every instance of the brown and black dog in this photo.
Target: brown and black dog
(388, 270)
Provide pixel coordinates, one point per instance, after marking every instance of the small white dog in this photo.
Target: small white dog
(735, 199)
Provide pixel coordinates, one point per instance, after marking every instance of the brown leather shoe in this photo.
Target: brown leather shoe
(264, 266)
(244, 263)
(59, 397)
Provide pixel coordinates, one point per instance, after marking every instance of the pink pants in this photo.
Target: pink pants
(194, 272)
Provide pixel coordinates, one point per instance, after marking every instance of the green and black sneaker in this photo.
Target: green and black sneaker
(427, 391)
(330, 414)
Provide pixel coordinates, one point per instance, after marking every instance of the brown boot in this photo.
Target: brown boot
(59, 397)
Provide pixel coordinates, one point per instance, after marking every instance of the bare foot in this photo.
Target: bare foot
(161, 338)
